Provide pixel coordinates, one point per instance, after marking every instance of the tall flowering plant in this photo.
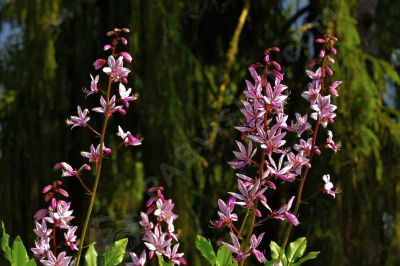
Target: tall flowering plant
(115, 98)
(271, 162)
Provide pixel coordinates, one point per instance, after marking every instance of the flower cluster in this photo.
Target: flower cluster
(115, 98)
(159, 231)
(265, 128)
(51, 223)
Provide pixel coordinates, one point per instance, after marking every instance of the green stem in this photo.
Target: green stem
(244, 221)
(289, 227)
(98, 168)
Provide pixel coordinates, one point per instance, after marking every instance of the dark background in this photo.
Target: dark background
(182, 58)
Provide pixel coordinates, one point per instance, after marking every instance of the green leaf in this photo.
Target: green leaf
(275, 250)
(224, 257)
(161, 261)
(206, 249)
(19, 255)
(91, 256)
(311, 255)
(5, 244)
(271, 262)
(115, 254)
(296, 249)
(31, 262)
(284, 260)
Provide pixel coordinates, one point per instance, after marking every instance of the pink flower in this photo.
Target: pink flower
(301, 124)
(274, 97)
(156, 242)
(145, 222)
(236, 249)
(164, 210)
(67, 169)
(61, 260)
(94, 154)
(111, 106)
(128, 138)
(125, 95)
(324, 110)
(298, 161)
(243, 157)
(281, 171)
(306, 146)
(115, 69)
(284, 214)
(137, 261)
(333, 88)
(42, 246)
(331, 144)
(271, 140)
(127, 57)
(99, 63)
(173, 255)
(281, 119)
(93, 86)
(315, 75)
(248, 194)
(254, 243)
(70, 238)
(226, 217)
(41, 229)
(328, 187)
(253, 91)
(312, 94)
(80, 120)
(62, 215)
(40, 214)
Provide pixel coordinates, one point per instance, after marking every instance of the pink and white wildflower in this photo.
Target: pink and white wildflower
(94, 154)
(93, 86)
(110, 108)
(330, 144)
(325, 111)
(116, 69)
(67, 169)
(79, 121)
(328, 186)
(236, 248)
(284, 214)
(226, 215)
(128, 138)
(254, 243)
(174, 256)
(137, 261)
(125, 95)
(61, 260)
(243, 156)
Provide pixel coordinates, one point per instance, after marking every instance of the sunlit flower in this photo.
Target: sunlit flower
(284, 214)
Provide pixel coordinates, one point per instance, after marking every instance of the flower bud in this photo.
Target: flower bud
(329, 71)
(107, 47)
(124, 40)
(99, 63)
(127, 57)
